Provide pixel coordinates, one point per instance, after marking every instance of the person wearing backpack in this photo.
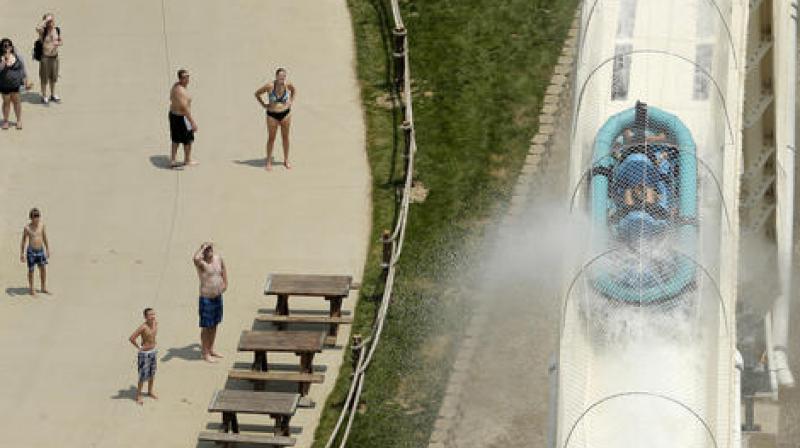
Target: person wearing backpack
(49, 41)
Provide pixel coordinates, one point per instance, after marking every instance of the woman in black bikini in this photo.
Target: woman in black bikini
(281, 94)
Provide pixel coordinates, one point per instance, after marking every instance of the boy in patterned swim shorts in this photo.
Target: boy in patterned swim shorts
(146, 358)
(37, 250)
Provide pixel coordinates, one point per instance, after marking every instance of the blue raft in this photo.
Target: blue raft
(631, 235)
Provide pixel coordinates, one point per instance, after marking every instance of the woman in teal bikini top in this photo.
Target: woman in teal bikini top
(280, 96)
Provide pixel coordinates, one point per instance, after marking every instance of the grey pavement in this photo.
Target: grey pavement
(123, 228)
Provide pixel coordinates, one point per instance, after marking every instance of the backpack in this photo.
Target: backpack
(38, 46)
(38, 49)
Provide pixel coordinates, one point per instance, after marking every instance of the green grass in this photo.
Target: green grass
(479, 71)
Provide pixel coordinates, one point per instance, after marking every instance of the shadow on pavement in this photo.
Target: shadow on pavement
(162, 161)
(255, 163)
(13, 292)
(125, 394)
(190, 352)
(31, 98)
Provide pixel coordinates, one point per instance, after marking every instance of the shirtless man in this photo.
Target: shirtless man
(181, 123)
(146, 358)
(213, 282)
(37, 250)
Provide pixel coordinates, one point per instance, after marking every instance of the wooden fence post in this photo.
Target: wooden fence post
(399, 57)
(386, 260)
(356, 350)
(406, 127)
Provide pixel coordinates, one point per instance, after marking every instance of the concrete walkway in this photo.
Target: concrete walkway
(123, 228)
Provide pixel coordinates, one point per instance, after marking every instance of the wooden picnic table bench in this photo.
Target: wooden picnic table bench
(333, 288)
(305, 344)
(228, 438)
(278, 405)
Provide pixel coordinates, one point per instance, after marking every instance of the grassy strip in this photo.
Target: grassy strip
(479, 73)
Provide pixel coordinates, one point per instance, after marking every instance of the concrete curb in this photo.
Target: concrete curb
(557, 99)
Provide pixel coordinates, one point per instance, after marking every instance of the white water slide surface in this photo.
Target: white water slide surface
(657, 374)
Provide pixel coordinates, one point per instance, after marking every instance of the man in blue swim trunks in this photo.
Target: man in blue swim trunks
(34, 249)
(213, 282)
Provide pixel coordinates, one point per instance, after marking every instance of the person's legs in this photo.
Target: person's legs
(139, 392)
(187, 155)
(206, 342)
(43, 277)
(141, 370)
(6, 109)
(43, 78)
(173, 155)
(204, 345)
(151, 371)
(212, 336)
(150, 390)
(285, 125)
(53, 75)
(272, 129)
(30, 282)
(17, 102)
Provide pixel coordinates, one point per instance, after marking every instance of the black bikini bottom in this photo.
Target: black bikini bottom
(278, 115)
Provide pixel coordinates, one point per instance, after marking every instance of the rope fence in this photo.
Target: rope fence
(364, 350)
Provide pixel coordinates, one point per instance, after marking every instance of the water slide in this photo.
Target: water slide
(648, 358)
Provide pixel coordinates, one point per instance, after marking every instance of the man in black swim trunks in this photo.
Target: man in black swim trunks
(181, 123)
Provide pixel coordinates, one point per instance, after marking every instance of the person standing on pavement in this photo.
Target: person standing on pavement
(213, 282)
(13, 77)
(181, 123)
(50, 38)
(146, 362)
(280, 95)
(35, 249)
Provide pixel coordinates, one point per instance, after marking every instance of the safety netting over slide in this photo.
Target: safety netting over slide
(646, 350)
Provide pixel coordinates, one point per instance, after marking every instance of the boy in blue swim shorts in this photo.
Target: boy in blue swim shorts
(34, 249)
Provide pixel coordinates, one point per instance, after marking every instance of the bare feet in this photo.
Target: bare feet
(153, 395)
(5, 125)
(216, 355)
(268, 167)
(45, 291)
(209, 359)
(139, 400)
(191, 163)
(287, 165)
(32, 291)
(174, 164)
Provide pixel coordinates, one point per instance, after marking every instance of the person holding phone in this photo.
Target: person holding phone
(13, 77)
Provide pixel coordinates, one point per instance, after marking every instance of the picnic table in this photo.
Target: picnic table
(305, 344)
(280, 406)
(333, 288)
